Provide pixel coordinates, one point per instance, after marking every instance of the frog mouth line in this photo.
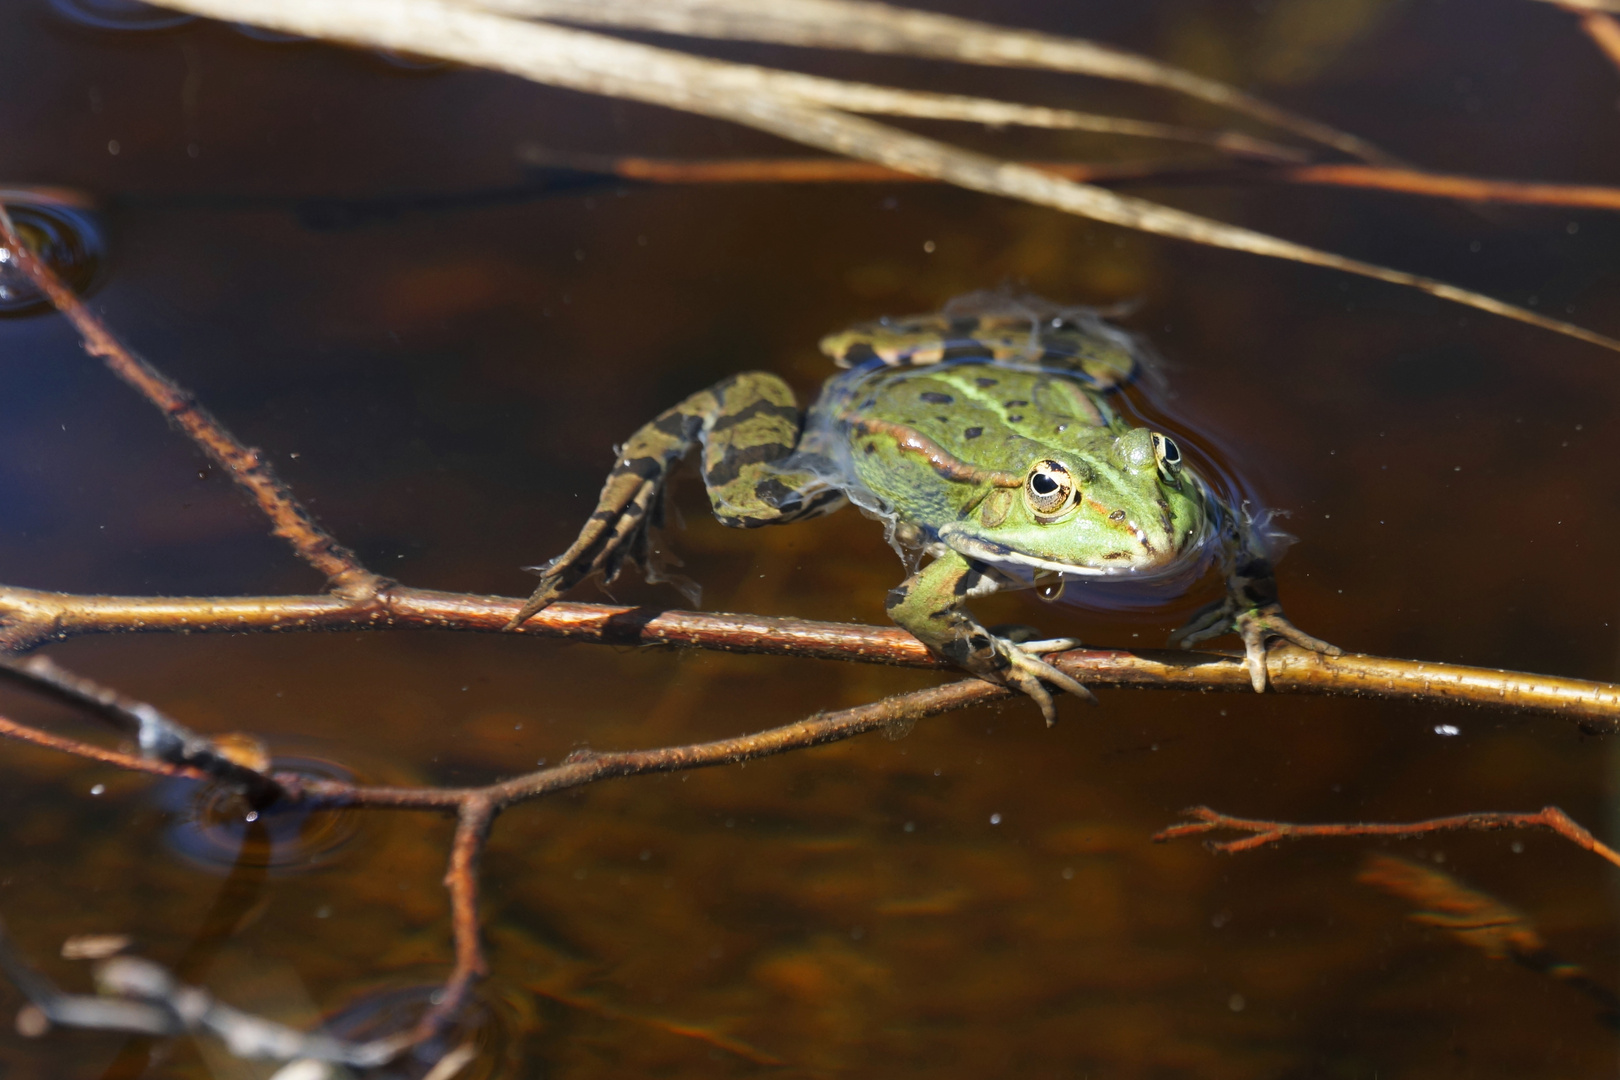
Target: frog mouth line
(991, 552)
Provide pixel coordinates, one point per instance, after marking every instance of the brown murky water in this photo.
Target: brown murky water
(980, 898)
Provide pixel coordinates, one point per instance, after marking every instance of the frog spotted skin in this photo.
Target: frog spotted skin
(985, 439)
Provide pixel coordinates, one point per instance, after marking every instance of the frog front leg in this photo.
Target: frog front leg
(1250, 608)
(929, 604)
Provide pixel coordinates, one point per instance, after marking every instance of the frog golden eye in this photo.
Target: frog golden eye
(1049, 491)
(1168, 455)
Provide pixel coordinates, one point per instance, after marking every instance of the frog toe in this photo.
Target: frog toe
(1050, 645)
(1258, 626)
(1210, 622)
(1254, 654)
(545, 594)
(1289, 632)
(1028, 673)
(1029, 685)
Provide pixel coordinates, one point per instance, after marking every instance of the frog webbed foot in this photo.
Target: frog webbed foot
(617, 533)
(928, 603)
(1257, 626)
(1019, 665)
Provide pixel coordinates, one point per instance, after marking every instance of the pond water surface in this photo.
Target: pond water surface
(443, 382)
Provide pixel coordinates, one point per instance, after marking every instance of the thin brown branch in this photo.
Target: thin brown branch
(160, 737)
(243, 464)
(809, 170)
(11, 729)
(31, 618)
(823, 170)
(1262, 832)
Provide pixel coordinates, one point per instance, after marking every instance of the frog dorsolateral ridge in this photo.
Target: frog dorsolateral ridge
(985, 439)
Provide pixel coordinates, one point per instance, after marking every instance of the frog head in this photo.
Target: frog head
(1119, 506)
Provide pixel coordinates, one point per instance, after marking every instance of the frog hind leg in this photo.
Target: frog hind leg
(929, 604)
(1250, 607)
(753, 467)
(748, 424)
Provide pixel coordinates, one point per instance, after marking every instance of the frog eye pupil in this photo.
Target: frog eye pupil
(1168, 453)
(1049, 491)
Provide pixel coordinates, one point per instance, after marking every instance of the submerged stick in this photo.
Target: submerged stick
(1262, 832)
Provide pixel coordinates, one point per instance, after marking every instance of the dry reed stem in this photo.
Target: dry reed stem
(858, 97)
(885, 29)
(1264, 832)
(1604, 30)
(597, 64)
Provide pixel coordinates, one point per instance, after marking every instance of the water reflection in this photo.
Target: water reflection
(119, 14)
(494, 1026)
(216, 828)
(62, 229)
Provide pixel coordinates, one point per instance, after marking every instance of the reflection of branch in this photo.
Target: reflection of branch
(1480, 920)
(143, 998)
(246, 466)
(29, 618)
(1263, 832)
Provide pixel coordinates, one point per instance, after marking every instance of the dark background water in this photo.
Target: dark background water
(444, 387)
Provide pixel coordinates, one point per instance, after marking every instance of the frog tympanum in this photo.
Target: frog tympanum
(986, 439)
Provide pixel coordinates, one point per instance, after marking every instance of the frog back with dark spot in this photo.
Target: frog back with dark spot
(989, 418)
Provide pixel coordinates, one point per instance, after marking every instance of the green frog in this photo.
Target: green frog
(987, 439)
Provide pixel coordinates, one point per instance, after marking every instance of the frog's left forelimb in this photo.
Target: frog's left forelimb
(930, 604)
